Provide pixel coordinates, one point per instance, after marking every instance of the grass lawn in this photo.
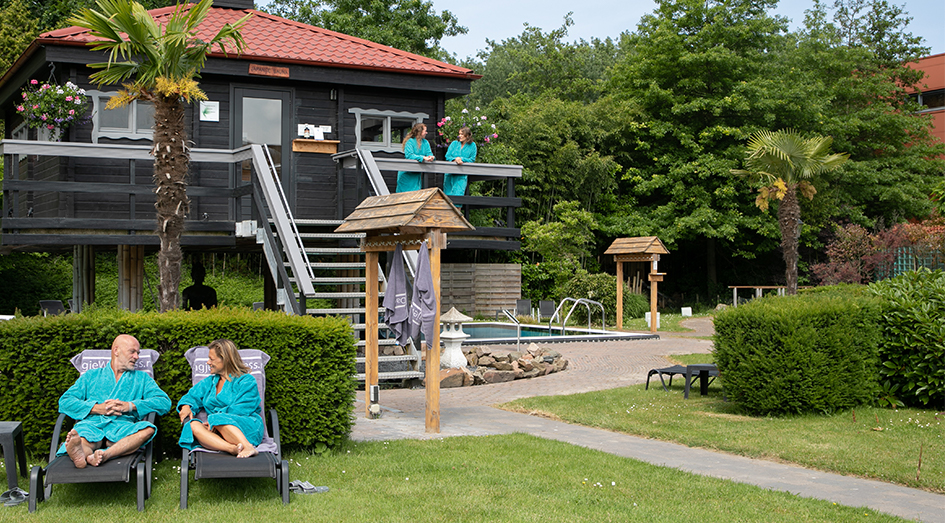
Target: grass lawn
(868, 442)
(516, 478)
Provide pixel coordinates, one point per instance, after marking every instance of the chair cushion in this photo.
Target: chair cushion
(94, 359)
(218, 465)
(63, 471)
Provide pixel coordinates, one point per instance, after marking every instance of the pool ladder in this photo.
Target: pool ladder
(577, 301)
(518, 327)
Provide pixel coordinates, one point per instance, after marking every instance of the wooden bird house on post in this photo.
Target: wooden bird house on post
(416, 219)
(639, 249)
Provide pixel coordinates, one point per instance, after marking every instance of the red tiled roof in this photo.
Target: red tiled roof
(270, 38)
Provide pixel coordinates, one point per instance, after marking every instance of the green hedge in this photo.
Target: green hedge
(814, 353)
(602, 288)
(309, 378)
(912, 349)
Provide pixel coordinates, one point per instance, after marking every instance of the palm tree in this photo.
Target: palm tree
(162, 63)
(785, 161)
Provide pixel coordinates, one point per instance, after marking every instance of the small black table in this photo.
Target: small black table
(704, 370)
(11, 439)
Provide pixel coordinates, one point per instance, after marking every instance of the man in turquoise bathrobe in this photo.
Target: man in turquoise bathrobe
(109, 405)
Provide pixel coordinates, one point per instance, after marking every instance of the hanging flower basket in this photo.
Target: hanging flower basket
(54, 107)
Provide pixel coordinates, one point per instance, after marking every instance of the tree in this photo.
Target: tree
(785, 161)
(409, 25)
(17, 30)
(162, 61)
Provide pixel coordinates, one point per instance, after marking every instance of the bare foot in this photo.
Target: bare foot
(236, 449)
(74, 449)
(246, 453)
(96, 458)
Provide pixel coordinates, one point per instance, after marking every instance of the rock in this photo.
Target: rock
(528, 356)
(525, 365)
(531, 373)
(451, 378)
(498, 376)
(553, 353)
(398, 350)
(501, 357)
(519, 373)
(468, 379)
(486, 361)
(561, 364)
(514, 355)
(502, 365)
(533, 349)
(721, 307)
(387, 351)
(472, 359)
(547, 359)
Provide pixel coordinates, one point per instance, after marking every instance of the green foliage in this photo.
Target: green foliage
(17, 30)
(309, 379)
(799, 354)
(409, 25)
(53, 106)
(602, 288)
(26, 278)
(912, 346)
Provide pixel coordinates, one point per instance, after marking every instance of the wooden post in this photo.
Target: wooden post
(370, 327)
(653, 293)
(619, 295)
(432, 384)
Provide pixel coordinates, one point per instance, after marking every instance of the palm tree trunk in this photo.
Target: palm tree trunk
(171, 164)
(789, 219)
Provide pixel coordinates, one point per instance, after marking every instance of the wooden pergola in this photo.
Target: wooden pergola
(639, 249)
(413, 219)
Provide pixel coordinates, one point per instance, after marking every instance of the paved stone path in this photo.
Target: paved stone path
(468, 411)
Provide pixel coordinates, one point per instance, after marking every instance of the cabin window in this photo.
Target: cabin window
(932, 99)
(379, 130)
(134, 121)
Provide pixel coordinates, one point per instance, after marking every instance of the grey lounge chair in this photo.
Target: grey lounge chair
(267, 464)
(61, 470)
(546, 309)
(523, 307)
(51, 307)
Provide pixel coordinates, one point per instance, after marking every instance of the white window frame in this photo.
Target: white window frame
(99, 99)
(386, 145)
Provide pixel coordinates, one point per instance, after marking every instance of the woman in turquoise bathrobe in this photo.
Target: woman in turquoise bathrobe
(230, 397)
(417, 148)
(462, 150)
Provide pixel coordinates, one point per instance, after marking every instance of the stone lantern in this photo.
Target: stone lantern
(452, 337)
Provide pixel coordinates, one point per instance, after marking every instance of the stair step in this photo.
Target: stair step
(333, 250)
(335, 265)
(402, 375)
(335, 311)
(380, 343)
(331, 235)
(319, 222)
(361, 326)
(382, 359)
(339, 295)
(331, 281)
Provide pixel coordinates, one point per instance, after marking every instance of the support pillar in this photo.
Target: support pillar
(83, 276)
(131, 277)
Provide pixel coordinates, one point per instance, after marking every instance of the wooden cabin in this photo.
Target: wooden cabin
(94, 186)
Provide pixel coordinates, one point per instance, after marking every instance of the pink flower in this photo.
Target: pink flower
(20, 108)
(487, 139)
(495, 135)
(24, 96)
(45, 86)
(36, 106)
(50, 127)
(71, 111)
(439, 124)
(34, 81)
(43, 117)
(68, 98)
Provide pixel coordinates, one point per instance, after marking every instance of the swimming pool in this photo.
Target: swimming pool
(492, 332)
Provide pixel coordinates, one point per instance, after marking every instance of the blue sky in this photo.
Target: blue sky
(501, 19)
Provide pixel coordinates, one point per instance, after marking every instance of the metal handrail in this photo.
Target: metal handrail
(518, 327)
(577, 301)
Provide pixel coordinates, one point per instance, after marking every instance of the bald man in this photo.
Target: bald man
(109, 405)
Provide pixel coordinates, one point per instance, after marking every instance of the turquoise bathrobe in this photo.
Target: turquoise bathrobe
(97, 386)
(455, 184)
(410, 181)
(237, 404)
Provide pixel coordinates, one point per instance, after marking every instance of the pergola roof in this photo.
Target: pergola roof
(407, 213)
(637, 245)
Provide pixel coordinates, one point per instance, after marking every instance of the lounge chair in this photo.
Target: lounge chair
(669, 371)
(62, 470)
(208, 464)
(523, 307)
(51, 307)
(546, 309)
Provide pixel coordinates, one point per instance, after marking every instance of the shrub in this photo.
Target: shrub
(30, 277)
(814, 353)
(602, 288)
(309, 379)
(912, 348)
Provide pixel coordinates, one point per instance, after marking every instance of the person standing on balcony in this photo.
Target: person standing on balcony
(417, 148)
(462, 150)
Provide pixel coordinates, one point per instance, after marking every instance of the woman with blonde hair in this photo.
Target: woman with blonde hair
(462, 150)
(415, 147)
(230, 397)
